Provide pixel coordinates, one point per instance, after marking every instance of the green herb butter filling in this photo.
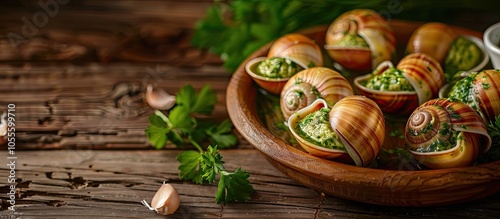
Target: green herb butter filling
(462, 56)
(442, 145)
(461, 91)
(391, 79)
(352, 40)
(276, 67)
(315, 128)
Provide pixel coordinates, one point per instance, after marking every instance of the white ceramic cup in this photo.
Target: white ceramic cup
(491, 39)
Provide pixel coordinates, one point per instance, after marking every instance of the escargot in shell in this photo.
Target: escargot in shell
(305, 87)
(443, 134)
(360, 39)
(340, 133)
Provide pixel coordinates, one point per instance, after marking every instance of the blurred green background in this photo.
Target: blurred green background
(234, 29)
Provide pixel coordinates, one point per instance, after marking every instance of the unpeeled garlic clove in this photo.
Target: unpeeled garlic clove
(165, 201)
(159, 99)
(3, 125)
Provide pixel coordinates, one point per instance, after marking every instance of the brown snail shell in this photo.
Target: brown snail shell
(434, 121)
(486, 91)
(297, 47)
(434, 39)
(372, 28)
(339, 155)
(422, 71)
(362, 136)
(310, 84)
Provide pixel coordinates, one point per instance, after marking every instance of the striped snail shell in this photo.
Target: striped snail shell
(372, 28)
(310, 84)
(445, 134)
(481, 91)
(361, 136)
(298, 48)
(422, 71)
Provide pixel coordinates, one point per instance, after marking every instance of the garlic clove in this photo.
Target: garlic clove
(3, 125)
(159, 99)
(165, 201)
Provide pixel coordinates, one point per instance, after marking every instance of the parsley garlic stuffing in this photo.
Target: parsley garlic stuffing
(288, 55)
(360, 39)
(355, 139)
(418, 78)
(443, 134)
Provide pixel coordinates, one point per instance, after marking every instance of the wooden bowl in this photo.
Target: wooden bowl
(368, 185)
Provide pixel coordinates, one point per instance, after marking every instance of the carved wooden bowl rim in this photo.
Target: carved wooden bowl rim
(374, 186)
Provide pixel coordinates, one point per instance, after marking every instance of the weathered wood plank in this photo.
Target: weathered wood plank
(82, 31)
(65, 106)
(72, 183)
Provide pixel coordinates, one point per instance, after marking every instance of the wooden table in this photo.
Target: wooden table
(80, 143)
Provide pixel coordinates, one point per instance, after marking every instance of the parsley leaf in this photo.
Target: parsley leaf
(201, 103)
(206, 166)
(221, 134)
(211, 163)
(493, 154)
(205, 101)
(234, 187)
(182, 126)
(189, 166)
(156, 131)
(494, 128)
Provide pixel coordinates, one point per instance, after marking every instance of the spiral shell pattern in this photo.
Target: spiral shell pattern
(310, 84)
(434, 121)
(362, 136)
(372, 28)
(299, 48)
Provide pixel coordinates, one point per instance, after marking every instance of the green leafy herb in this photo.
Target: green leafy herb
(181, 126)
(494, 153)
(205, 166)
(494, 129)
(234, 29)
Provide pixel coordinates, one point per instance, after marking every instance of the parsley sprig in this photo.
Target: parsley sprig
(494, 131)
(182, 126)
(204, 167)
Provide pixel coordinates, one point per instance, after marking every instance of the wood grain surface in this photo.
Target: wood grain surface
(78, 86)
(105, 184)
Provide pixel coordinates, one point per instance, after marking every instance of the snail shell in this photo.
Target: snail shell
(434, 121)
(424, 74)
(486, 91)
(362, 136)
(434, 39)
(298, 48)
(305, 87)
(372, 28)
